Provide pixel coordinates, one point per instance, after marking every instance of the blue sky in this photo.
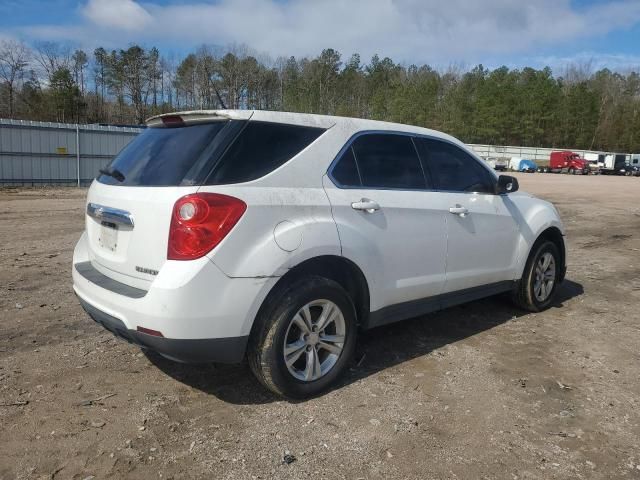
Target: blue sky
(442, 33)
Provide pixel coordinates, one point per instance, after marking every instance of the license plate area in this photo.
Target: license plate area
(108, 236)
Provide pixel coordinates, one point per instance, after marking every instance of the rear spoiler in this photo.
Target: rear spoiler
(197, 116)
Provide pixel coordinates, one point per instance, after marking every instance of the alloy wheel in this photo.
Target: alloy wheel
(545, 276)
(314, 340)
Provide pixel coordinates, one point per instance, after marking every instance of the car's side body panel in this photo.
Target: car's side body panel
(401, 248)
(281, 228)
(533, 217)
(480, 244)
(423, 306)
(487, 247)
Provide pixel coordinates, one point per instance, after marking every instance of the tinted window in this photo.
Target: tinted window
(453, 169)
(163, 156)
(261, 148)
(388, 161)
(345, 171)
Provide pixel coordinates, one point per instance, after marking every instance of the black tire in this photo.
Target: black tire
(267, 341)
(572, 171)
(524, 296)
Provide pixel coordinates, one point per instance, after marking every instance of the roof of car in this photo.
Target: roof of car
(305, 119)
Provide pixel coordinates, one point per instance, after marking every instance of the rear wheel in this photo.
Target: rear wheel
(572, 171)
(539, 282)
(305, 338)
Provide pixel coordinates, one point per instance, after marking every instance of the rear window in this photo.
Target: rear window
(260, 148)
(211, 153)
(163, 156)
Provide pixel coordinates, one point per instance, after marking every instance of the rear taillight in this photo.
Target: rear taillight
(199, 222)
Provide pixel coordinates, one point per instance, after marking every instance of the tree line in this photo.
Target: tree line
(575, 108)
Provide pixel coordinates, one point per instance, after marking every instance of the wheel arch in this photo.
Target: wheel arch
(339, 269)
(554, 235)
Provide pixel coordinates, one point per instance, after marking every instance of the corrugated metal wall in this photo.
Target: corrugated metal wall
(34, 153)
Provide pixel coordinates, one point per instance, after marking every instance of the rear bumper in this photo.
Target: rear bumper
(201, 350)
(202, 314)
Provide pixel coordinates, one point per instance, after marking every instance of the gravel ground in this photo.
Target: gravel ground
(478, 391)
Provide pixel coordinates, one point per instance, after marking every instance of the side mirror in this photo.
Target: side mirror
(506, 184)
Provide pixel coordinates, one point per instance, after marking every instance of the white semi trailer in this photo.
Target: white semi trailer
(615, 164)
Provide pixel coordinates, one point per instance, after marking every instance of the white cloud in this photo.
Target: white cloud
(433, 31)
(119, 14)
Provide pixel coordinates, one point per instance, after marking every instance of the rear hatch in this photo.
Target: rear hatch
(128, 229)
(129, 206)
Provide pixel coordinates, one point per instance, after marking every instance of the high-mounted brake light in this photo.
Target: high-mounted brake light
(199, 222)
(173, 121)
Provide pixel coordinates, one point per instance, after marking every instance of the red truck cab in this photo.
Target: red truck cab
(567, 161)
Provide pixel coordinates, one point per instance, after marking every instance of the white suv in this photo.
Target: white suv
(219, 235)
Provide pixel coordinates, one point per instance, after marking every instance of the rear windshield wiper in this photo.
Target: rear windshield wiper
(113, 172)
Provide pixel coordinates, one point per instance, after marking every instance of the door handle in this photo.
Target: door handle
(459, 210)
(366, 205)
(115, 215)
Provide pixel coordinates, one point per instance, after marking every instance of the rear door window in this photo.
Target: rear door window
(260, 148)
(388, 161)
(381, 161)
(453, 169)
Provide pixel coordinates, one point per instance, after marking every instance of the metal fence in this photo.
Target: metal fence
(537, 154)
(45, 153)
(34, 153)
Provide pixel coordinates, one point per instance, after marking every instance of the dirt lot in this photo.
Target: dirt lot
(478, 391)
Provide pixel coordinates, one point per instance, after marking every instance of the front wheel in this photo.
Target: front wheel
(538, 285)
(304, 339)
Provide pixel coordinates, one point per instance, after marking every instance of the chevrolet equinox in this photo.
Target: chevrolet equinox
(216, 236)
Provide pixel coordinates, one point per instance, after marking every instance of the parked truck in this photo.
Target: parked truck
(593, 159)
(498, 163)
(566, 161)
(616, 164)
